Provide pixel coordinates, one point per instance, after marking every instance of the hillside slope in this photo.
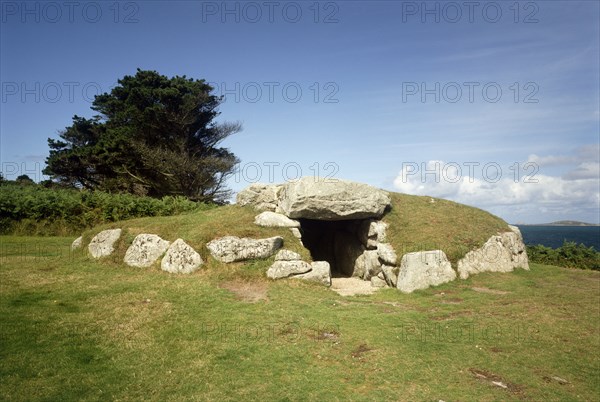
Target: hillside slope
(415, 223)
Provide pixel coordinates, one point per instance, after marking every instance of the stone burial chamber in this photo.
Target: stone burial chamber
(340, 243)
(340, 223)
(333, 241)
(337, 221)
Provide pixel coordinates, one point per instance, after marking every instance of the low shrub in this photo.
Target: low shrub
(570, 255)
(37, 210)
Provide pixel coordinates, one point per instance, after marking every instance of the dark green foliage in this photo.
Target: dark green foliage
(24, 180)
(35, 209)
(570, 255)
(153, 136)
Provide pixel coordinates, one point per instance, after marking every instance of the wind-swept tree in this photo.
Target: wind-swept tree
(153, 135)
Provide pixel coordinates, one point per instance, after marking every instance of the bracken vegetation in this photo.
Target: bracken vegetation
(35, 210)
(570, 255)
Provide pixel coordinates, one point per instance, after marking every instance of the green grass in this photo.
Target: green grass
(418, 224)
(77, 329)
(73, 328)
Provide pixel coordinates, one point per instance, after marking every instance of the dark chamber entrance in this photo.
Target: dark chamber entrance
(338, 242)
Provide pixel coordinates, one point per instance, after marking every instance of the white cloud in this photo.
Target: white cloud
(585, 170)
(575, 193)
(551, 160)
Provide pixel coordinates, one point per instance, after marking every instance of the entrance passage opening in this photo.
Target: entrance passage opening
(339, 243)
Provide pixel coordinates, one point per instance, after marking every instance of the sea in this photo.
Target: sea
(554, 236)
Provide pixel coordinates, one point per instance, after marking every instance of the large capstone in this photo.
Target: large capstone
(331, 199)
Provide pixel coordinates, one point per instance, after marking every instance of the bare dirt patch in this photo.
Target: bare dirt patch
(329, 335)
(452, 300)
(490, 291)
(352, 286)
(249, 292)
(497, 381)
(360, 351)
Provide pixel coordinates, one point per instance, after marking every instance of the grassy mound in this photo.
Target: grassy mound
(415, 224)
(424, 223)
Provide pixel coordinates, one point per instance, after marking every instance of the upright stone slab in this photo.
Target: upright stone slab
(372, 264)
(320, 272)
(390, 274)
(77, 243)
(263, 197)
(102, 244)
(386, 253)
(181, 258)
(423, 269)
(273, 219)
(501, 253)
(145, 250)
(372, 232)
(285, 269)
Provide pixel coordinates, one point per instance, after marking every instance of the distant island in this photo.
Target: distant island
(560, 223)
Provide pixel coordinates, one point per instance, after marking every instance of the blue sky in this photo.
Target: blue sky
(432, 98)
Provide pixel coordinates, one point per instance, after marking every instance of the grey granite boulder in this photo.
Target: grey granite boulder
(287, 263)
(390, 274)
(103, 244)
(378, 282)
(273, 219)
(145, 250)
(77, 243)
(372, 264)
(181, 258)
(501, 253)
(287, 255)
(331, 199)
(423, 269)
(320, 272)
(285, 269)
(231, 248)
(373, 232)
(386, 253)
(263, 197)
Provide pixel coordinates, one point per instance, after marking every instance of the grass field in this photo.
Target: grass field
(77, 329)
